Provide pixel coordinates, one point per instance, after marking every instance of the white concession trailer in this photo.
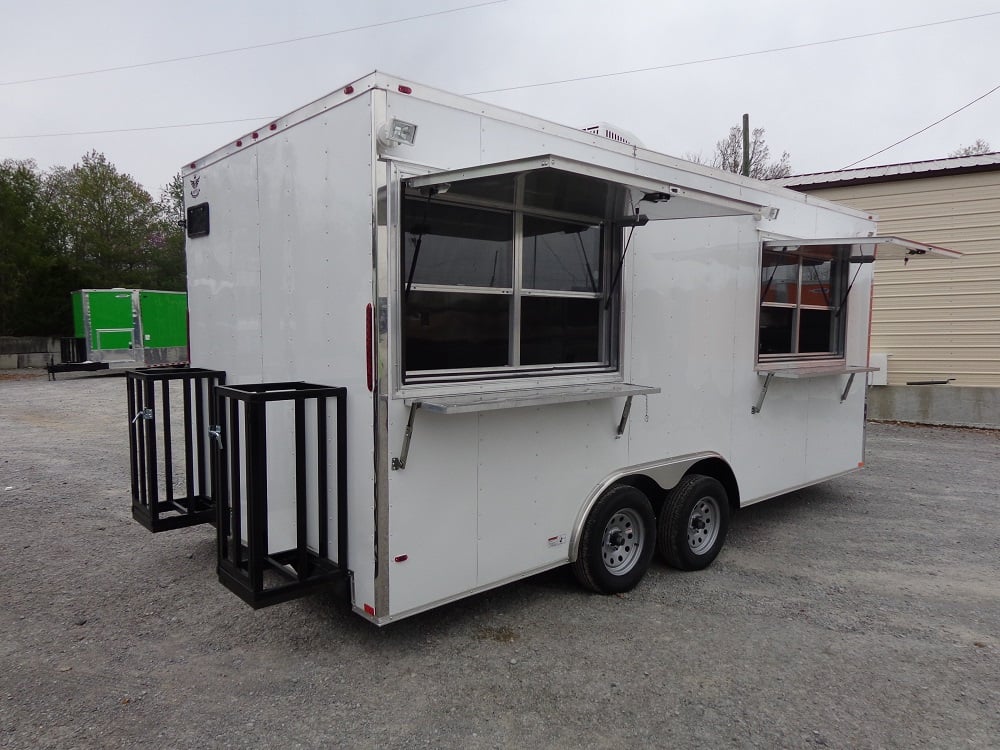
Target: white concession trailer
(438, 346)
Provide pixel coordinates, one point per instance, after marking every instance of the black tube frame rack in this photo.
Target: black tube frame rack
(154, 505)
(247, 568)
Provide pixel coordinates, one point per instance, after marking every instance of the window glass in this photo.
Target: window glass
(816, 282)
(446, 330)
(456, 245)
(460, 301)
(776, 330)
(779, 278)
(497, 189)
(560, 329)
(552, 190)
(801, 294)
(816, 331)
(561, 255)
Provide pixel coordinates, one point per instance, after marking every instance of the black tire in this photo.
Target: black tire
(618, 541)
(693, 523)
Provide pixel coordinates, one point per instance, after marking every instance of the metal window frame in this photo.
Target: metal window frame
(610, 246)
(841, 262)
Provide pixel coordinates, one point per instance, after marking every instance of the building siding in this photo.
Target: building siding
(937, 319)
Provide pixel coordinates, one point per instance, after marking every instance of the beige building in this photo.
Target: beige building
(937, 320)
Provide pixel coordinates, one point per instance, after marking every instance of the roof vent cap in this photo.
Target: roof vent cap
(614, 133)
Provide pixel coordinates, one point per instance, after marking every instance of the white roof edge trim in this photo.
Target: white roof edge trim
(912, 247)
(565, 164)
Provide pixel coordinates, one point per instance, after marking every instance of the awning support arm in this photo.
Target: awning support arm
(847, 388)
(640, 220)
(850, 286)
(624, 420)
(755, 409)
(398, 464)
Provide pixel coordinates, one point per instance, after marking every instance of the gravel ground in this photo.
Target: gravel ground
(861, 613)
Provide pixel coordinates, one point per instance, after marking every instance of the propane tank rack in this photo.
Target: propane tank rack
(153, 443)
(273, 513)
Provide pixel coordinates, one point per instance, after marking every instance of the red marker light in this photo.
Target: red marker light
(273, 126)
(369, 609)
(239, 143)
(404, 89)
(255, 136)
(368, 347)
(401, 558)
(193, 165)
(348, 89)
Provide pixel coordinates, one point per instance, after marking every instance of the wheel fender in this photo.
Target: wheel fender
(666, 473)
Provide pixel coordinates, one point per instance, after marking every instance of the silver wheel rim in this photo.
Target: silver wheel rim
(703, 525)
(623, 540)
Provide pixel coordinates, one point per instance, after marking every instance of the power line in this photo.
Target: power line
(247, 48)
(135, 130)
(924, 129)
(735, 56)
(511, 88)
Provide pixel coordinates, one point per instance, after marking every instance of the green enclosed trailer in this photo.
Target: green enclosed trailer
(126, 327)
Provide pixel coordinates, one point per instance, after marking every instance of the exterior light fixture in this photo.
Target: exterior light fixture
(396, 132)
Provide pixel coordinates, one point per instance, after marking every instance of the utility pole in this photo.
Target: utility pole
(746, 145)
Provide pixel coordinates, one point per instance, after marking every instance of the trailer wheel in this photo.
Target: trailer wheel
(617, 542)
(693, 523)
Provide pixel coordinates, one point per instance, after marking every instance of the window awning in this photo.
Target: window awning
(862, 247)
(589, 188)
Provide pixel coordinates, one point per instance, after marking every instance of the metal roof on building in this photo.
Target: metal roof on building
(891, 172)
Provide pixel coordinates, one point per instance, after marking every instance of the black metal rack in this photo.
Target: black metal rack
(154, 503)
(246, 563)
(72, 349)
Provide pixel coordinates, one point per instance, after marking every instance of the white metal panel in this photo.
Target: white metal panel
(432, 510)
(446, 137)
(835, 429)
(803, 432)
(536, 466)
(278, 292)
(316, 257)
(683, 313)
(223, 270)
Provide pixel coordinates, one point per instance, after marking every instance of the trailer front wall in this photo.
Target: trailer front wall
(279, 291)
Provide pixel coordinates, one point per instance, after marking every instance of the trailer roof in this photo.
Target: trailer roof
(653, 164)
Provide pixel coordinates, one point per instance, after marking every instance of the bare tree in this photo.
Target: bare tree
(729, 155)
(979, 147)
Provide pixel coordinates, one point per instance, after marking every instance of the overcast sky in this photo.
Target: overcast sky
(827, 105)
